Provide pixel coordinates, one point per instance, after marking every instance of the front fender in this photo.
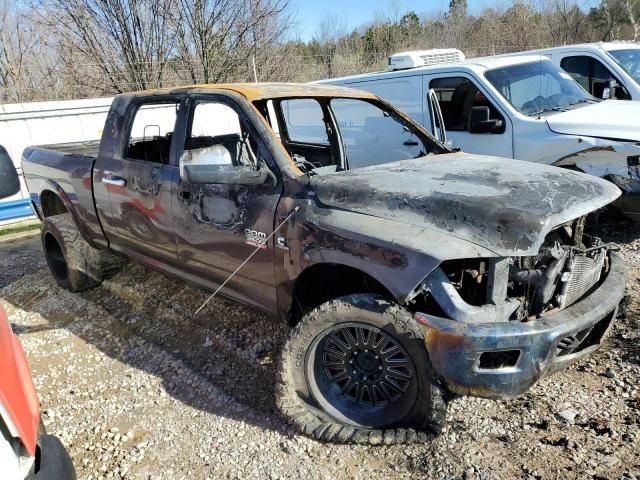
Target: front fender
(615, 160)
(398, 255)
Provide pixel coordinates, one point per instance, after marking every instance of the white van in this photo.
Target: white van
(596, 65)
(522, 107)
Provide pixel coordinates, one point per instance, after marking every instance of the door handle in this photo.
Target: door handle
(114, 180)
(410, 143)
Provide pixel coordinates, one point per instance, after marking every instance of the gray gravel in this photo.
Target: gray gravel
(137, 387)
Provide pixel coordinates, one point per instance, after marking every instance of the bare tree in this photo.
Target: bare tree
(27, 64)
(217, 39)
(632, 7)
(111, 45)
(326, 42)
(567, 23)
(615, 14)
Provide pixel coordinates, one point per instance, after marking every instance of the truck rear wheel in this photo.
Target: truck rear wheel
(74, 264)
(356, 370)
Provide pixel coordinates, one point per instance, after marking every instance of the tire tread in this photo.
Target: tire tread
(315, 423)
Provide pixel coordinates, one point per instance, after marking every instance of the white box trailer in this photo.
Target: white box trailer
(41, 123)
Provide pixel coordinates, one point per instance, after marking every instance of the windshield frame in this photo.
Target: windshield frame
(582, 99)
(635, 77)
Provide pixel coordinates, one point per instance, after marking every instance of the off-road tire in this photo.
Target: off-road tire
(74, 264)
(294, 393)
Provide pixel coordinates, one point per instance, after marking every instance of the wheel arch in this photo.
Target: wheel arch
(53, 200)
(51, 204)
(321, 282)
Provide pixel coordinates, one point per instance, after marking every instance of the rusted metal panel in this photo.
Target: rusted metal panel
(265, 91)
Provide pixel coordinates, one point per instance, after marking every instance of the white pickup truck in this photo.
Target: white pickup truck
(596, 65)
(523, 107)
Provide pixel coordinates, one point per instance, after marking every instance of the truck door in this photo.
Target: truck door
(593, 75)
(139, 181)
(222, 217)
(472, 119)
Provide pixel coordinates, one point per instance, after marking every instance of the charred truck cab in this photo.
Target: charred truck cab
(406, 271)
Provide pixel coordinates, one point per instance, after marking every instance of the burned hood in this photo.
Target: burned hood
(616, 119)
(503, 205)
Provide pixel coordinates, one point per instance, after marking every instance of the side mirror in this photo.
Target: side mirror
(621, 93)
(224, 174)
(608, 89)
(481, 123)
(217, 168)
(9, 181)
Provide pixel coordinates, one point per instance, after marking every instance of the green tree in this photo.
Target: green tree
(457, 8)
(410, 23)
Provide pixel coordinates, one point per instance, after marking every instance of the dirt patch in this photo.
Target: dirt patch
(136, 386)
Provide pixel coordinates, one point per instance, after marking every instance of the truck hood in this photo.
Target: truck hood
(616, 119)
(505, 206)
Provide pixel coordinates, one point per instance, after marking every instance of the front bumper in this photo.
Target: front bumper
(55, 463)
(629, 205)
(498, 360)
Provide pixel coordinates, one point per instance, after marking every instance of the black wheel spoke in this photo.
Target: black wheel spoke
(340, 375)
(366, 365)
(390, 351)
(392, 382)
(339, 344)
(328, 362)
(352, 337)
(399, 374)
(380, 395)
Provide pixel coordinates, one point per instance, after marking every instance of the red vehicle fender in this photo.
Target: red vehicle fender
(18, 398)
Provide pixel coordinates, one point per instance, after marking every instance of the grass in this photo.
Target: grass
(19, 227)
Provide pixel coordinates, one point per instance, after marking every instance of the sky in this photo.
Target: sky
(352, 14)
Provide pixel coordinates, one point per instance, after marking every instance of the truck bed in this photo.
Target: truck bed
(66, 167)
(85, 149)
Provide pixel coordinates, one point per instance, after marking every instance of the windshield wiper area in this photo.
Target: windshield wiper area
(547, 110)
(584, 100)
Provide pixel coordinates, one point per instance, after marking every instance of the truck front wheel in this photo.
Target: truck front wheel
(356, 370)
(74, 264)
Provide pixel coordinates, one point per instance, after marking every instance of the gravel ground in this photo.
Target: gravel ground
(137, 387)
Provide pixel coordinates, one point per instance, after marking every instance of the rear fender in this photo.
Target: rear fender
(66, 200)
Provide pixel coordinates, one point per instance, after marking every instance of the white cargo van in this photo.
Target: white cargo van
(522, 107)
(596, 65)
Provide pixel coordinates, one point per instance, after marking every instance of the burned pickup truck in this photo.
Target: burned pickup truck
(406, 271)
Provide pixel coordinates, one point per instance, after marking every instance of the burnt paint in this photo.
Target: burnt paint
(506, 207)
(71, 184)
(211, 240)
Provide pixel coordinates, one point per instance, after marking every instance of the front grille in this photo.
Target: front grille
(582, 274)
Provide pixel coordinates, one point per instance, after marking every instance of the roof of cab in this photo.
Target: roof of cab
(476, 63)
(593, 47)
(265, 91)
